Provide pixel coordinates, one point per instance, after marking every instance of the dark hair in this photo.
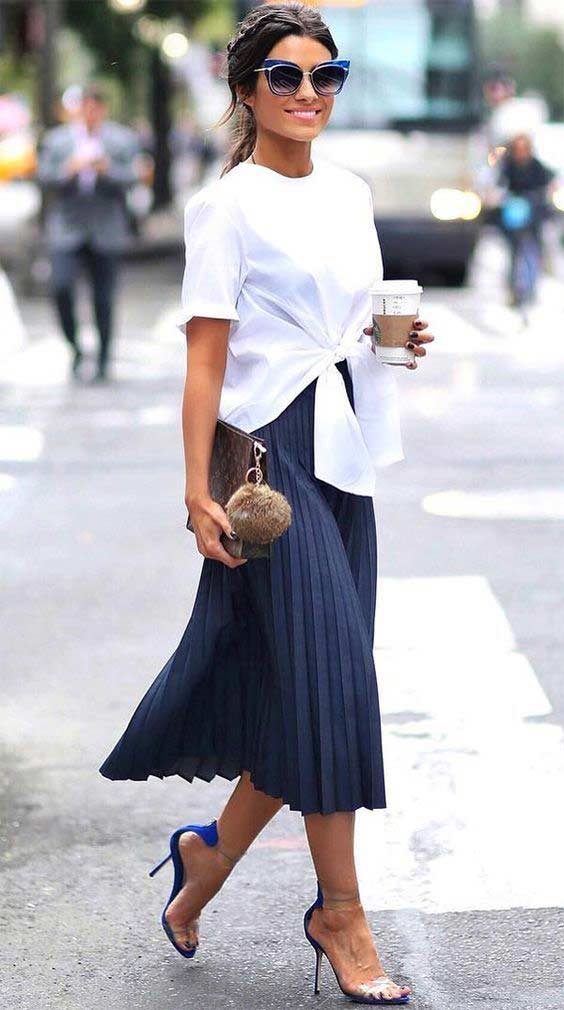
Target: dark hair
(256, 35)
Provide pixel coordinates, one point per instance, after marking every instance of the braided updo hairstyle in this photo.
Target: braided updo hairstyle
(257, 33)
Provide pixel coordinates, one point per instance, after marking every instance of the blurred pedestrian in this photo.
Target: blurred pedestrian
(85, 167)
(524, 184)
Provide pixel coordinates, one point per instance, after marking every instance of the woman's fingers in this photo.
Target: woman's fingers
(416, 333)
(219, 516)
(220, 554)
(214, 523)
(417, 337)
(214, 549)
(421, 338)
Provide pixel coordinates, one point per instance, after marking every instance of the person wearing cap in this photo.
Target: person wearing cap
(85, 168)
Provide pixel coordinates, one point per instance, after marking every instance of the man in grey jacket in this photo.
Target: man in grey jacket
(86, 167)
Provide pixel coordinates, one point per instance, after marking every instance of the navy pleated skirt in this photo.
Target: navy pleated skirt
(274, 673)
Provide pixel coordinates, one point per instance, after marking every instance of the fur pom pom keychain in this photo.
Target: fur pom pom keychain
(256, 511)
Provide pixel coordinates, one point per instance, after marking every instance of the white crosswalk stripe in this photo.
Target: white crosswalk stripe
(473, 772)
(494, 327)
(539, 345)
(506, 503)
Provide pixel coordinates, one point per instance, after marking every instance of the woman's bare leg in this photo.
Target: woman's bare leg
(340, 926)
(246, 813)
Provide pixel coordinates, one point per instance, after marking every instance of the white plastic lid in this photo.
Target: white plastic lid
(397, 288)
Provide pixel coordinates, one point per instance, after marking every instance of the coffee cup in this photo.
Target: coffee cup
(395, 306)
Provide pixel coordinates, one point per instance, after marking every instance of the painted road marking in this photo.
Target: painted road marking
(19, 443)
(13, 330)
(498, 329)
(474, 772)
(509, 503)
(456, 335)
(7, 482)
(44, 362)
(47, 360)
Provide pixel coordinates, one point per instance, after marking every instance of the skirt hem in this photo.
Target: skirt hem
(229, 778)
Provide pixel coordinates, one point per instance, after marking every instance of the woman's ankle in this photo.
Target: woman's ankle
(340, 901)
(339, 910)
(230, 859)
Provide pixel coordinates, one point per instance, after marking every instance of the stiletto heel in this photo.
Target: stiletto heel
(208, 832)
(160, 865)
(318, 956)
(319, 952)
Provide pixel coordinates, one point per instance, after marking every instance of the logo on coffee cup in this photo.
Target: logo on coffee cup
(377, 331)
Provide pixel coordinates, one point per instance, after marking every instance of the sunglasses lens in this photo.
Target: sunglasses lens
(285, 80)
(329, 80)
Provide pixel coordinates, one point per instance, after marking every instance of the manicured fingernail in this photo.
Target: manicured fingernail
(411, 346)
(233, 535)
(413, 333)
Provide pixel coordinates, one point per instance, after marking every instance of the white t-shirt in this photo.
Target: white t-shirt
(291, 262)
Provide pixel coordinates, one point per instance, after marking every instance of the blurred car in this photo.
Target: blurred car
(17, 145)
(17, 156)
(409, 122)
(19, 198)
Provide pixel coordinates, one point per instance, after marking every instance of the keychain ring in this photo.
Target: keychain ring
(257, 472)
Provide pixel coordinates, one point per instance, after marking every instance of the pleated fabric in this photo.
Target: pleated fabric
(274, 673)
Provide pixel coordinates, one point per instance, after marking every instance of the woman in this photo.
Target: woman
(273, 679)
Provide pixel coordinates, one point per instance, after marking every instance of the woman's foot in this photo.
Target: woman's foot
(342, 930)
(206, 867)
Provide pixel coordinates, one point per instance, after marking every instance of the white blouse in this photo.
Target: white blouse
(291, 262)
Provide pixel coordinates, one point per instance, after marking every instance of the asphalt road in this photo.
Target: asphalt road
(462, 875)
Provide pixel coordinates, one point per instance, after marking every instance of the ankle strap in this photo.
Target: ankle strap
(344, 904)
(231, 859)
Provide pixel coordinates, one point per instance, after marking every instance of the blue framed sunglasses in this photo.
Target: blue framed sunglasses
(284, 77)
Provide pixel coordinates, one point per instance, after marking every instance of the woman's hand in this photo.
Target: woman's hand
(210, 521)
(416, 339)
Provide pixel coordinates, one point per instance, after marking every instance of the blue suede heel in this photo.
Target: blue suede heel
(208, 832)
(319, 952)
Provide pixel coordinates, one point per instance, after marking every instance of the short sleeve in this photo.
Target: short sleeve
(214, 268)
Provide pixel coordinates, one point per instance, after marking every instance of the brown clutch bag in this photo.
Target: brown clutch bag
(237, 480)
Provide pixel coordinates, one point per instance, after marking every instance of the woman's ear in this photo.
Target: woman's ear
(244, 98)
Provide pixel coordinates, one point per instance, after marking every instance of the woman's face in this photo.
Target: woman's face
(277, 113)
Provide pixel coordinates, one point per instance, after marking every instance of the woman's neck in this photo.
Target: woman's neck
(294, 164)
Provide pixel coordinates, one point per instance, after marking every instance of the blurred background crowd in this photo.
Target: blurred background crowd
(454, 113)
